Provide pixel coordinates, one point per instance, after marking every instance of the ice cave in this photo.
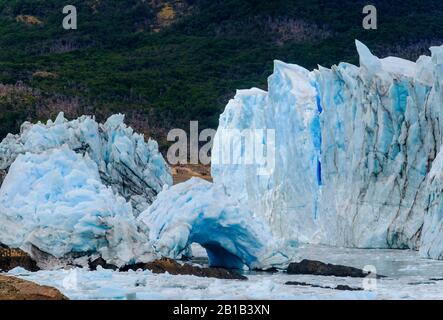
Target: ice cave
(197, 211)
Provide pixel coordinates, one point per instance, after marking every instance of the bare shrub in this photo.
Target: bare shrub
(281, 29)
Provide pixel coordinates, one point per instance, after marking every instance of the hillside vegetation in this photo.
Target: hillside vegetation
(163, 63)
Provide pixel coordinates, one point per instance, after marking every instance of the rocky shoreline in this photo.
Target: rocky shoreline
(12, 288)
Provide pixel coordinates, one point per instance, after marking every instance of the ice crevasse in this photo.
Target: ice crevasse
(358, 153)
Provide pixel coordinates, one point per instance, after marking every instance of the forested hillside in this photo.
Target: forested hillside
(163, 63)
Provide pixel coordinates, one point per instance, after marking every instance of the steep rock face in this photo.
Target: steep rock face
(12, 258)
(133, 168)
(354, 148)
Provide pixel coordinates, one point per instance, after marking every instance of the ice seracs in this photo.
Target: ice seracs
(198, 211)
(55, 201)
(133, 168)
(291, 109)
(74, 189)
(354, 151)
(432, 234)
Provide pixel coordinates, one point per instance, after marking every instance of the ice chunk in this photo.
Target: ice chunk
(197, 211)
(133, 168)
(56, 202)
(399, 66)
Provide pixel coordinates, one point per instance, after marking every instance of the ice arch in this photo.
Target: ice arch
(199, 212)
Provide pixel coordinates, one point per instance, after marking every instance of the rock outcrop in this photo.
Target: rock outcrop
(173, 267)
(13, 258)
(17, 289)
(340, 287)
(318, 268)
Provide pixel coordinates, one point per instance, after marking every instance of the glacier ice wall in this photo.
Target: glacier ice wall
(431, 244)
(133, 168)
(381, 133)
(56, 202)
(198, 211)
(354, 149)
(293, 185)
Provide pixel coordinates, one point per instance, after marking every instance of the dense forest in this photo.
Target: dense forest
(163, 63)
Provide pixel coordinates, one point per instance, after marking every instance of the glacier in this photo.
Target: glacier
(56, 202)
(197, 211)
(78, 190)
(357, 153)
(134, 169)
(73, 189)
(356, 160)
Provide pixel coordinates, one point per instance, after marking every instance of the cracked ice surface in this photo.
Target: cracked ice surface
(356, 151)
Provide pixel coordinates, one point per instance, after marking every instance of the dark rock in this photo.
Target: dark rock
(173, 267)
(12, 258)
(135, 267)
(3, 174)
(345, 287)
(325, 269)
(418, 283)
(271, 270)
(12, 288)
(339, 287)
(102, 263)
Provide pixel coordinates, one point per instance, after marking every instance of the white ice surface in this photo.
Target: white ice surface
(409, 277)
